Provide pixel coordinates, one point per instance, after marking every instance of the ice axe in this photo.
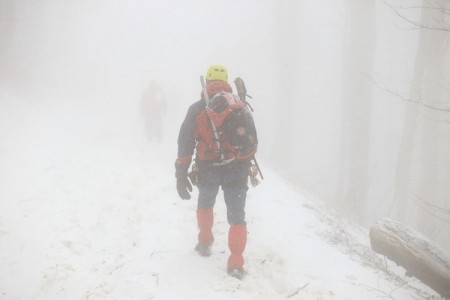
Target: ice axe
(242, 92)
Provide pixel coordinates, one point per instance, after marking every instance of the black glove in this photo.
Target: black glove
(183, 185)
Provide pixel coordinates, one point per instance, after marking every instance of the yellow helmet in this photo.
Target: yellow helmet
(217, 72)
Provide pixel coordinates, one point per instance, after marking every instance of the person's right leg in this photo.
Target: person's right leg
(205, 217)
(235, 194)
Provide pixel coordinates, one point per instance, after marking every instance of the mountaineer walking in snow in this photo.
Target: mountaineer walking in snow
(153, 108)
(220, 129)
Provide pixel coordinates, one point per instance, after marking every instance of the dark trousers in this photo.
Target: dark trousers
(233, 179)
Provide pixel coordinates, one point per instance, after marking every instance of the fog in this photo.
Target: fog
(351, 97)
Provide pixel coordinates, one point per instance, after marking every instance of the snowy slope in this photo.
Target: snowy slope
(88, 210)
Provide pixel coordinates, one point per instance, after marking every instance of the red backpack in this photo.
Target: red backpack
(234, 122)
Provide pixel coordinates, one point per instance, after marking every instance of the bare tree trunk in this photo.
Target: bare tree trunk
(286, 35)
(6, 34)
(401, 208)
(420, 138)
(358, 49)
(432, 96)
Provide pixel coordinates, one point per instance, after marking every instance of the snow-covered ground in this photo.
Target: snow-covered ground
(89, 210)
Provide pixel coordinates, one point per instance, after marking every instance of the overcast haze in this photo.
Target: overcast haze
(351, 97)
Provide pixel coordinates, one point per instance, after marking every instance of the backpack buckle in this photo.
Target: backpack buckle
(223, 162)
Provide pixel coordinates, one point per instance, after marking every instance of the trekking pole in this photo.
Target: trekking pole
(216, 134)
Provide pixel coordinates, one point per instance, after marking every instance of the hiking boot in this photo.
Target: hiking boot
(203, 249)
(236, 273)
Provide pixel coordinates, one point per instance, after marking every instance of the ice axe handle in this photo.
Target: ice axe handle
(257, 166)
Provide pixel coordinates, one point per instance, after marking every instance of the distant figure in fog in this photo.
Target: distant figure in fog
(153, 108)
